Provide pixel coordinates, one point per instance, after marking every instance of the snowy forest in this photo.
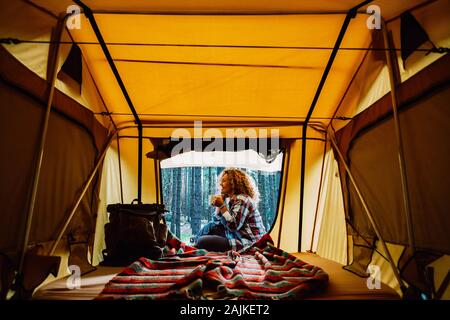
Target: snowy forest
(186, 192)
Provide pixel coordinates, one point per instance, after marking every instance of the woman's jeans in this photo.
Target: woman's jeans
(212, 238)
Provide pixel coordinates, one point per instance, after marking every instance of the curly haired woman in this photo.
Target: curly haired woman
(237, 223)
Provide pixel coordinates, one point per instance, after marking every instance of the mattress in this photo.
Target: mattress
(342, 284)
(91, 285)
(345, 285)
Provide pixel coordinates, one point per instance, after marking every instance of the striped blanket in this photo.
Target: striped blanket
(261, 272)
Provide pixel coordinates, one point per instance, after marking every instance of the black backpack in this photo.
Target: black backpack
(134, 231)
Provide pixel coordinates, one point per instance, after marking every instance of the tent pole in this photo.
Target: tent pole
(157, 181)
(398, 136)
(139, 196)
(284, 187)
(349, 16)
(90, 16)
(156, 169)
(120, 168)
(83, 192)
(38, 164)
(223, 13)
(368, 213)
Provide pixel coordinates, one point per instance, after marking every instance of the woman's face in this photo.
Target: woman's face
(225, 185)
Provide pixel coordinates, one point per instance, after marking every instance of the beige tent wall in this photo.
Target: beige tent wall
(25, 22)
(289, 231)
(109, 193)
(69, 156)
(375, 167)
(279, 221)
(374, 163)
(332, 234)
(22, 21)
(291, 206)
(370, 84)
(434, 19)
(372, 80)
(128, 157)
(314, 159)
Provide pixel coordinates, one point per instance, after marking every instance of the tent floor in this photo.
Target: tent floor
(342, 285)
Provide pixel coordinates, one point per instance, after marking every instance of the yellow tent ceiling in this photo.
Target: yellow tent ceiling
(193, 81)
(222, 61)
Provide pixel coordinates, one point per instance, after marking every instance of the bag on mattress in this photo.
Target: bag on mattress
(134, 231)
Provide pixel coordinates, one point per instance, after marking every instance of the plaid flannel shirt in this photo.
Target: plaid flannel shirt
(242, 222)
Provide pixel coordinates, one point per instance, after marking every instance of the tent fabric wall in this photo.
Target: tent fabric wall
(17, 75)
(371, 81)
(424, 119)
(291, 206)
(109, 193)
(73, 141)
(20, 20)
(289, 238)
(433, 19)
(332, 235)
(313, 168)
(128, 157)
(70, 155)
(424, 128)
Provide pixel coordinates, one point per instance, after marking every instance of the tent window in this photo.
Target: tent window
(189, 179)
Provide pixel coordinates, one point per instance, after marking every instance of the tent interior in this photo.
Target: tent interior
(353, 92)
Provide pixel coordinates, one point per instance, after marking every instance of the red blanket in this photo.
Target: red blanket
(262, 272)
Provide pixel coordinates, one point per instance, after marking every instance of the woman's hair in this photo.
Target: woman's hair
(241, 183)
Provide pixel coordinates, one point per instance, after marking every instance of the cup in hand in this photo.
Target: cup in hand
(216, 200)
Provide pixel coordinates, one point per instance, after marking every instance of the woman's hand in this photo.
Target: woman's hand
(217, 201)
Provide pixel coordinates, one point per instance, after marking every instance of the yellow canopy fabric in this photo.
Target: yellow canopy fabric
(212, 61)
(214, 67)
